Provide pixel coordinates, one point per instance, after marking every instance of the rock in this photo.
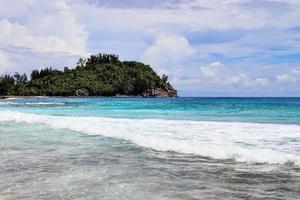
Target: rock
(171, 91)
(3, 97)
(167, 91)
(123, 96)
(82, 92)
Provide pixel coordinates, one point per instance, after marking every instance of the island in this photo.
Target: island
(98, 75)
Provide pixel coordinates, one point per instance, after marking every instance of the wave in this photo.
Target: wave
(244, 142)
(32, 104)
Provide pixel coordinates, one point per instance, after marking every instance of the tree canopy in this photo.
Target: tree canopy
(100, 75)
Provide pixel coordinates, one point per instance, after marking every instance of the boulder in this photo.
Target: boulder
(167, 91)
(82, 92)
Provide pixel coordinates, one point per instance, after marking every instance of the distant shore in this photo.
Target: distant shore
(117, 96)
(10, 97)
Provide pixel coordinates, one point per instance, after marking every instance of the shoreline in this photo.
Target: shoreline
(2, 97)
(118, 96)
(8, 97)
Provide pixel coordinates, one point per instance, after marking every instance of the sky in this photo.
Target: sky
(207, 47)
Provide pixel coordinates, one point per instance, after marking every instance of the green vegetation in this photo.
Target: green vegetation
(99, 75)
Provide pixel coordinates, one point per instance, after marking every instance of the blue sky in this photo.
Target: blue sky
(207, 47)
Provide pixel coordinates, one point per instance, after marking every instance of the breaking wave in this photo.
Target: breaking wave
(32, 104)
(244, 142)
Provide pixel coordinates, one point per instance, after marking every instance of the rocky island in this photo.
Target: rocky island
(98, 75)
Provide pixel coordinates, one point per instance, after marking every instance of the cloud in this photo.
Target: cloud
(296, 71)
(242, 80)
(205, 45)
(219, 77)
(49, 30)
(218, 74)
(20, 36)
(286, 78)
(211, 70)
(61, 22)
(292, 77)
(41, 34)
(143, 4)
(168, 51)
(192, 15)
(18, 9)
(4, 62)
(237, 29)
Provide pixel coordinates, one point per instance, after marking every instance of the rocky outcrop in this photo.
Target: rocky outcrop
(82, 92)
(167, 91)
(3, 97)
(171, 91)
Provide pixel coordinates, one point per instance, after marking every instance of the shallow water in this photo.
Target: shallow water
(149, 148)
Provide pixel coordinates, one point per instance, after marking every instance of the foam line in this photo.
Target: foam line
(244, 142)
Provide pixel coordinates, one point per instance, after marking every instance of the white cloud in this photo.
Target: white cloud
(220, 77)
(62, 22)
(211, 70)
(263, 30)
(296, 71)
(4, 62)
(218, 74)
(245, 35)
(242, 80)
(48, 32)
(55, 32)
(285, 78)
(292, 77)
(212, 14)
(261, 82)
(13, 8)
(168, 51)
(20, 36)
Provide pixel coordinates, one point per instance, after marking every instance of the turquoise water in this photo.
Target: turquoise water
(127, 148)
(261, 110)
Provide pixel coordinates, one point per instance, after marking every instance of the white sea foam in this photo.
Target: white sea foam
(31, 104)
(245, 142)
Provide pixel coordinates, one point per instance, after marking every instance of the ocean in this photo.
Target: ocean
(150, 148)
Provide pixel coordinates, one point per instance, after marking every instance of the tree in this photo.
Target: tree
(81, 62)
(165, 78)
(6, 84)
(35, 74)
(66, 70)
(101, 75)
(20, 79)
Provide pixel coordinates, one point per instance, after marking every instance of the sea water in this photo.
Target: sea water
(152, 148)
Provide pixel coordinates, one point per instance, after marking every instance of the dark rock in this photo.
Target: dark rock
(167, 91)
(82, 92)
